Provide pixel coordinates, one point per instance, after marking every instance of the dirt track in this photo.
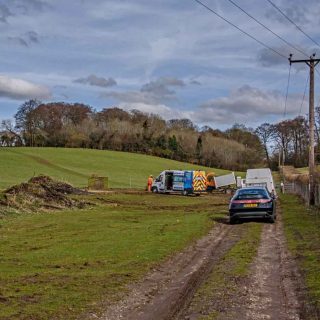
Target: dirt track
(272, 290)
(269, 292)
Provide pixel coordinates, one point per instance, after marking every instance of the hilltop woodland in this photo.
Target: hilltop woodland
(77, 125)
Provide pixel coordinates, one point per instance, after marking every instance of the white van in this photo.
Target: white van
(260, 177)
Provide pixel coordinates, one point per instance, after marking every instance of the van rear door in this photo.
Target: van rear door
(188, 180)
(178, 180)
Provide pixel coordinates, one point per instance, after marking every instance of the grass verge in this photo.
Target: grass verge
(213, 297)
(302, 225)
(59, 265)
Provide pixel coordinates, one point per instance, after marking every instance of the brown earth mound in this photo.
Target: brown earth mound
(42, 192)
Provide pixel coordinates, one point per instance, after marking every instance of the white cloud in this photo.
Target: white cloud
(153, 92)
(19, 89)
(162, 110)
(136, 41)
(247, 104)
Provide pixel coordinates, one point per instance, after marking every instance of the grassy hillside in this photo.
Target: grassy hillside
(76, 165)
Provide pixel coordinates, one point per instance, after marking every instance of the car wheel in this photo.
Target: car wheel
(154, 190)
(232, 221)
(272, 219)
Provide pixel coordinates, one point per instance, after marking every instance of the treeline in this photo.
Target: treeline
(286, 142)
(79, 126)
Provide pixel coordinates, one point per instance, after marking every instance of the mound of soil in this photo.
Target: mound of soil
(42, 192)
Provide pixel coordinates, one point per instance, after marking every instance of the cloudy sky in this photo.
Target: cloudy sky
(171, 57)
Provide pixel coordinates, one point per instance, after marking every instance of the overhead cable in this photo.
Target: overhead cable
(267, 28)
(289, 19)
(304, 94)
(241, 30)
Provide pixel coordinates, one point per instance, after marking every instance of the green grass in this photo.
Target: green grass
(224, 279)
(58, 265)
(302, 227)
(76, 165)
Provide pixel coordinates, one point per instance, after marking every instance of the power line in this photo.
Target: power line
(318, 105)
(304, 95)
(277, 8)
(267, 28)
(241, 30)
(288, 83)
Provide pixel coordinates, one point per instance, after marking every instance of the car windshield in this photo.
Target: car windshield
(252, 194)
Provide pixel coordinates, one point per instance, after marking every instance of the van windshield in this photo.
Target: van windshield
(252, 194)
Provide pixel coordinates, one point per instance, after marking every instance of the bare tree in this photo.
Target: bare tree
(265, 132)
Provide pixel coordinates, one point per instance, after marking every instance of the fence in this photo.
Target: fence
(302, 189)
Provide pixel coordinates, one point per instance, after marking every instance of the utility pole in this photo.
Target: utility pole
(312, 62)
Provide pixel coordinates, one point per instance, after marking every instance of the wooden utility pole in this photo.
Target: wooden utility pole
(312, 62)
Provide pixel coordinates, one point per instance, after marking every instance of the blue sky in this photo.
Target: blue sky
(170, 57)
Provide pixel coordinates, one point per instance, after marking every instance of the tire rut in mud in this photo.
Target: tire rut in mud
(167, 290)
(271, 290)
(268, 291)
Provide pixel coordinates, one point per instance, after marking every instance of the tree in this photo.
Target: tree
(291, 136)
(25, 121)
(181, 124)
(265, 133)
(78, 125)
(199, 149)
(10, 136)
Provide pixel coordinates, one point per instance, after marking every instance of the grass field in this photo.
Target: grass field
(76, 165)
(302, 227)
(58, 265)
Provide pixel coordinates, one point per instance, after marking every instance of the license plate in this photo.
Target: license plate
(250, 205)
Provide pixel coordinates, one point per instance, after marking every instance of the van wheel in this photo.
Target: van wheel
(154, 190)
(185, 192)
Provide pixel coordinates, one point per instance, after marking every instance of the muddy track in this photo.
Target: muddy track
(167, 290)
(270, 291)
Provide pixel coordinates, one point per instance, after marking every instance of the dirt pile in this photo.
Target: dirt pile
(42, 192)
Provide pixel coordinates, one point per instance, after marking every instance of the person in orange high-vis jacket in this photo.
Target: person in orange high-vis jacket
(150, 182)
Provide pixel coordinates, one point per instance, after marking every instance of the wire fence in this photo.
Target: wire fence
(301, 189)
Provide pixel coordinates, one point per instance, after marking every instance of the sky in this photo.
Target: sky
(169, 57)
